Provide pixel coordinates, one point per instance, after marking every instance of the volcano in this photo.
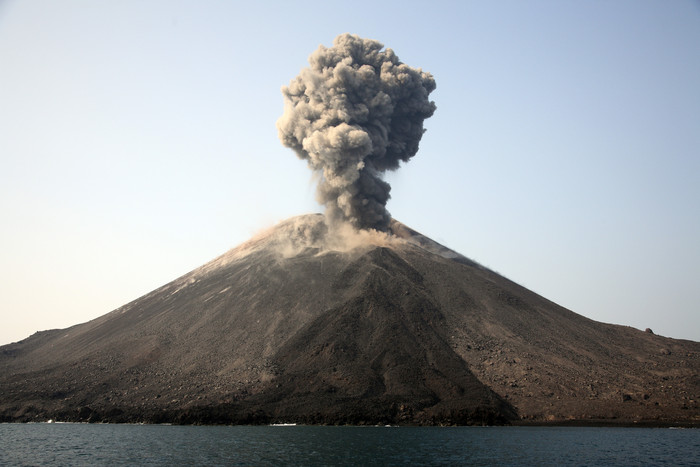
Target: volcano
(305, 325)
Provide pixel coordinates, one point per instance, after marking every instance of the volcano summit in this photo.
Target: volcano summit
(304, 324)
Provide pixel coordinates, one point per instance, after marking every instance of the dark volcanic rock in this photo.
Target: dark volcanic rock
(298, 325)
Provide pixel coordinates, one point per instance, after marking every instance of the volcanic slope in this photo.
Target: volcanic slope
(302, 325)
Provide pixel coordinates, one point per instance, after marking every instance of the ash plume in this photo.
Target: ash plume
(354, 113)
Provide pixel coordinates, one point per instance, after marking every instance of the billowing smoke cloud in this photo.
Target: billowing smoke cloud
(356, 112)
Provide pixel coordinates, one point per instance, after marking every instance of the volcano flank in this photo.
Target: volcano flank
(304, 325)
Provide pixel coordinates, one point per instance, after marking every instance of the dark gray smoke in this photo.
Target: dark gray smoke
(354, 113)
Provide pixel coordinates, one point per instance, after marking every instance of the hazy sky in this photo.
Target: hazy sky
(138, 141)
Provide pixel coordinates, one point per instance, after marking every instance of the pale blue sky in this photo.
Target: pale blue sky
(138, 141)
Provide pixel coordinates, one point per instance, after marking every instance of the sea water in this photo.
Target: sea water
(103, 444)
